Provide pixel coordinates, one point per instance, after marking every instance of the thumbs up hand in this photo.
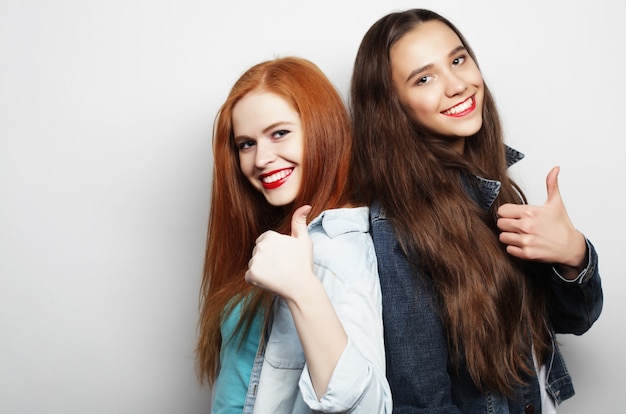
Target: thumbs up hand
(543, 233)
(283, 263)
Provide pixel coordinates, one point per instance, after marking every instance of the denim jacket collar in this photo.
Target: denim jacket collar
(488, 190)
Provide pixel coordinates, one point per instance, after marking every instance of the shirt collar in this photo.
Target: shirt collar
(339, 221)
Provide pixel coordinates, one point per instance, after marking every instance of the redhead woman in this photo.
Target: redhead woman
(291, 304)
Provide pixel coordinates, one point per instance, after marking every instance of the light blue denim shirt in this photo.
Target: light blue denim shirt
(345, 263)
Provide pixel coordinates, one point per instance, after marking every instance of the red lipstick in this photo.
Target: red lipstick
(275, 179)
(467, 109)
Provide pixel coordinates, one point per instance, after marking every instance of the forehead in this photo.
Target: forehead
(259, 109)
(425, 44)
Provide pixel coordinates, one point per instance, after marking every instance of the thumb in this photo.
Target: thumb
(552, 184)
(298, 221)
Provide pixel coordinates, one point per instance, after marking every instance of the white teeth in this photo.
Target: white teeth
(275, 177)
(460, 108)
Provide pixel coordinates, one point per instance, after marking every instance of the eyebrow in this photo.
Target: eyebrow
(276, 125)
(426, 67)
(266, 129)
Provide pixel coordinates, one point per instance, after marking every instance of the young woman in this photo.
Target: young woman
(475, 282)
(291, 314)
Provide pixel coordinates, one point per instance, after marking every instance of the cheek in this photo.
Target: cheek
(476, 78)
(296, 156)
(422, 108)
(246, 164)
(298, 179)
(295, 150)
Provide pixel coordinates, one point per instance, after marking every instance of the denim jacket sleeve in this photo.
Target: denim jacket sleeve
(576, 305)
(415, 342)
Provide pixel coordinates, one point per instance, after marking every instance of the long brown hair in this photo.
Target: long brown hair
(239, 213)
(491, 307)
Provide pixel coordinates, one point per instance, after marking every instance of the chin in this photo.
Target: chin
(470, 130)
(280, 202)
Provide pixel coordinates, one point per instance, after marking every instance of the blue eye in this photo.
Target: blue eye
(280, 133)
(244, 145)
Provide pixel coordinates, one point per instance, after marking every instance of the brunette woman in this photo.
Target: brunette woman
(291, 312)
(475, 282)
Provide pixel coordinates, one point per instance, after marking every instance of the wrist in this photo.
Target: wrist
(301, 291)
(576, 263)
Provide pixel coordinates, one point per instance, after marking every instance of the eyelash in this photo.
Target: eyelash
(247, 144)
(279, 134)
(459, 60)
(422, 80)
(244, 145)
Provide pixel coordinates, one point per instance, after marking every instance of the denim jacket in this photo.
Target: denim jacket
(345, 262)
(416, 344)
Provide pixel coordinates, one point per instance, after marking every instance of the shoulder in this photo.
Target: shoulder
(342, 244)
(340, 221)
(341, 228)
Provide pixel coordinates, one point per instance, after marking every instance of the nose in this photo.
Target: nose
(264, 154)
(455, 84)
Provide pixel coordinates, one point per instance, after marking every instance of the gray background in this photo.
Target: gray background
(106, 110)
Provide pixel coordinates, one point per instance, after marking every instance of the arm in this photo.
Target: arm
(284, 265)
(336, 312)
(545, 234)
(321, 333)
(576, 304)
(346, 265)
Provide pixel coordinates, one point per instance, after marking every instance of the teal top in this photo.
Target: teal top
(231, 384)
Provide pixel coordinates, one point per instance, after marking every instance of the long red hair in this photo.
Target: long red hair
(239, 213)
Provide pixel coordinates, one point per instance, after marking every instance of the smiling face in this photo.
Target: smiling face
(269, 137)
(437, 81)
